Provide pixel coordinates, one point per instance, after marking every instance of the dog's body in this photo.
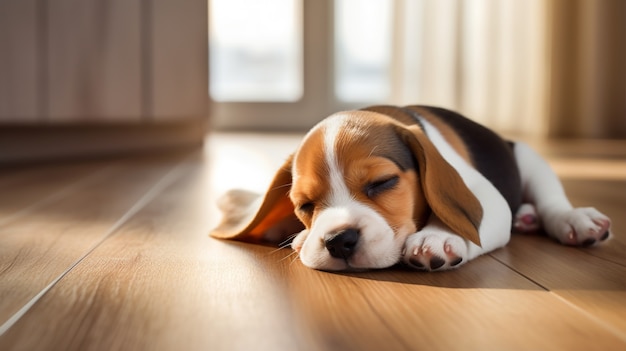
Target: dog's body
(419, 185)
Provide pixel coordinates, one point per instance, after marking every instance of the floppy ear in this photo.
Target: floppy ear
(446, 193)
(247, 216)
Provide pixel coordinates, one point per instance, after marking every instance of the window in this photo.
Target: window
(363, 50)
(287, 64)
(255, 50)
(260, 79)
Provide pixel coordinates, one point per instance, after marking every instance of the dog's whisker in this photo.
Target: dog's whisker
(294, 258)
(438, 169)
(281, 186)
(283, 245)
(293, 255)
(286, 257)
(372, 152)
(287, 241)
(277, 250)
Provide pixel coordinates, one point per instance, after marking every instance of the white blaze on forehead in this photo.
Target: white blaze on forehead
(339, 193)
(378, 246)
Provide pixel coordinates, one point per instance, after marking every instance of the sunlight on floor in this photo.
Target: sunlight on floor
(591, 169)
(245, 161)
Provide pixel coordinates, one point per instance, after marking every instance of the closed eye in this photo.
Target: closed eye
(307, 208)
(375, 188)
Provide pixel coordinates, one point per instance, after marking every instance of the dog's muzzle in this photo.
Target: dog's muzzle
(343, 243)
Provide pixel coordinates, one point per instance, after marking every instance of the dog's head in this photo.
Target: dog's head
(357, 186)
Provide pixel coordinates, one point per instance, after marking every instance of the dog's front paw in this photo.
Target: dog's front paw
(434, 250)
(580, 226)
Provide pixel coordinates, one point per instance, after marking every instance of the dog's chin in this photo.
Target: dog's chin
(378, 245)
(348, 269)
(330, 264)
(344, 267)
(376, 252)
(356, 269)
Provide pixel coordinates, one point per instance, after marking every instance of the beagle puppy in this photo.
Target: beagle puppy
(418, 185)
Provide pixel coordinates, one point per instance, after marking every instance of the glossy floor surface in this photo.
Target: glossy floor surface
(114, 254)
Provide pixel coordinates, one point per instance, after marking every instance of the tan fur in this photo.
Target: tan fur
(446, 193)
(448, 133)
(271, 219)
(394, 112)
(312, 180)
(402, 207)
(437, 188)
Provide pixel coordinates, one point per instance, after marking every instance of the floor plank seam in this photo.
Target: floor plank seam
(591, 253)
(95, 175)
(620, 334)
(159, 186)
(520, 273)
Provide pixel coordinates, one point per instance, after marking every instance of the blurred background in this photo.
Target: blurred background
(93, 77)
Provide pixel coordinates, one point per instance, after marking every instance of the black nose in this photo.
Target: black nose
(342, 244)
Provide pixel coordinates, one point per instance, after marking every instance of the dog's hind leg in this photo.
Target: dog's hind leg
(526, 219)
(543, 189)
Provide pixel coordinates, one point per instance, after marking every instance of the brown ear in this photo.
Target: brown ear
(248, 216)
(446, 193)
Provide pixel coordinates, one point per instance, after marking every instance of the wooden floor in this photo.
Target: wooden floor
(114, 254)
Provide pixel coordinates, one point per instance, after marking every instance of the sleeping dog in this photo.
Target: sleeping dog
(420, 185)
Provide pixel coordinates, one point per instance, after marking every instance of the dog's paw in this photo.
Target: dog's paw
(578, 227)
(434, 250)
(526, 219)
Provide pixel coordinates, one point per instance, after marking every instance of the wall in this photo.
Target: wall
(75, 66)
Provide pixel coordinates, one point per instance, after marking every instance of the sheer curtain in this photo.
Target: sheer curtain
(588, 76)
(530, 67)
